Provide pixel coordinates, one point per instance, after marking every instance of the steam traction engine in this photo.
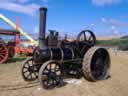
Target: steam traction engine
(56, 59)
(7, 45)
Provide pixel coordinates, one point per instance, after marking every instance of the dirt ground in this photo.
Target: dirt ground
(12, 84)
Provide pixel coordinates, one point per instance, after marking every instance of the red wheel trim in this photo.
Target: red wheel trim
(3, 53)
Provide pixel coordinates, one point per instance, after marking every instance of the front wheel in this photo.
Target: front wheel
(50, 74)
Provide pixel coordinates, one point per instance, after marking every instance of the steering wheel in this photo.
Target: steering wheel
(86, 37)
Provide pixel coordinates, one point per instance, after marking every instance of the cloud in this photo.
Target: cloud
(45, 1)
(23, 1)
(118, 23)
(114, 23)
(116, 32)
(106, 2)
(29, 9)
(21, 6)
(36, 29)
(113, 27)
(17, 1)
(103, 20)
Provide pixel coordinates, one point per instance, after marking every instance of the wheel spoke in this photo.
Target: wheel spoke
(58, 70)
(50, 66)
(45, 73)
(26, 67)
(55, 82)
(52, 82)
(48, 83)
(29, 74)
(84, 36)
(3, 53)
(55, 66)
(28, 64)
(1, 56)
(25, 71)
(35, 74)
(59, 75)
(89, 39)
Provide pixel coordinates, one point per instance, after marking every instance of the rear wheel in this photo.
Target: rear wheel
(96, 64)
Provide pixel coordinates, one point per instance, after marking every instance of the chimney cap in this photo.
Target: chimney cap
(43, 9)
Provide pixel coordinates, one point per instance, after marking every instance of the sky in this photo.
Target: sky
(103, 17)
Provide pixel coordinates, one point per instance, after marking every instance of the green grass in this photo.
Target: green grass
(16, 59)
(112, 42)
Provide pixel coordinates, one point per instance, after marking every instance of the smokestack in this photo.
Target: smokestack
(42, 40)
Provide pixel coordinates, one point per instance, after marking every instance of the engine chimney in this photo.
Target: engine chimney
(42, 40)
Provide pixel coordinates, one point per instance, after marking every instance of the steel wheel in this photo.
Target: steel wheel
(50, 74)
(29, 71)
(86, 37)
(3, 53)
(96, 64)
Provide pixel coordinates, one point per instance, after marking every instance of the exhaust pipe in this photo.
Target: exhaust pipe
(42, 39)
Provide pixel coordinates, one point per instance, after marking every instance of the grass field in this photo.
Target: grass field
(112, 42)
(12, 84)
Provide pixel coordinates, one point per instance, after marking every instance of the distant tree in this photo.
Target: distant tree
(124, 37)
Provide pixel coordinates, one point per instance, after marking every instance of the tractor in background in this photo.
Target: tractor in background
(10, 45)
(8, 42)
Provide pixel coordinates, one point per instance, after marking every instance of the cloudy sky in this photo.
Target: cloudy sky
(104, 17)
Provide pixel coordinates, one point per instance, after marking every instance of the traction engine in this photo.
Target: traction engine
(7, 47)
(55, 59)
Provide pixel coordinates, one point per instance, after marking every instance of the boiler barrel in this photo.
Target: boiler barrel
(62, 54)
(59, 54)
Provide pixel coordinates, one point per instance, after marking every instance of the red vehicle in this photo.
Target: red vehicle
(10, 44)
(7, 44)
(27, 50)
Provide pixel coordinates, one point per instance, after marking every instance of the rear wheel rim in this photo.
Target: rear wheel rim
(99, 66)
